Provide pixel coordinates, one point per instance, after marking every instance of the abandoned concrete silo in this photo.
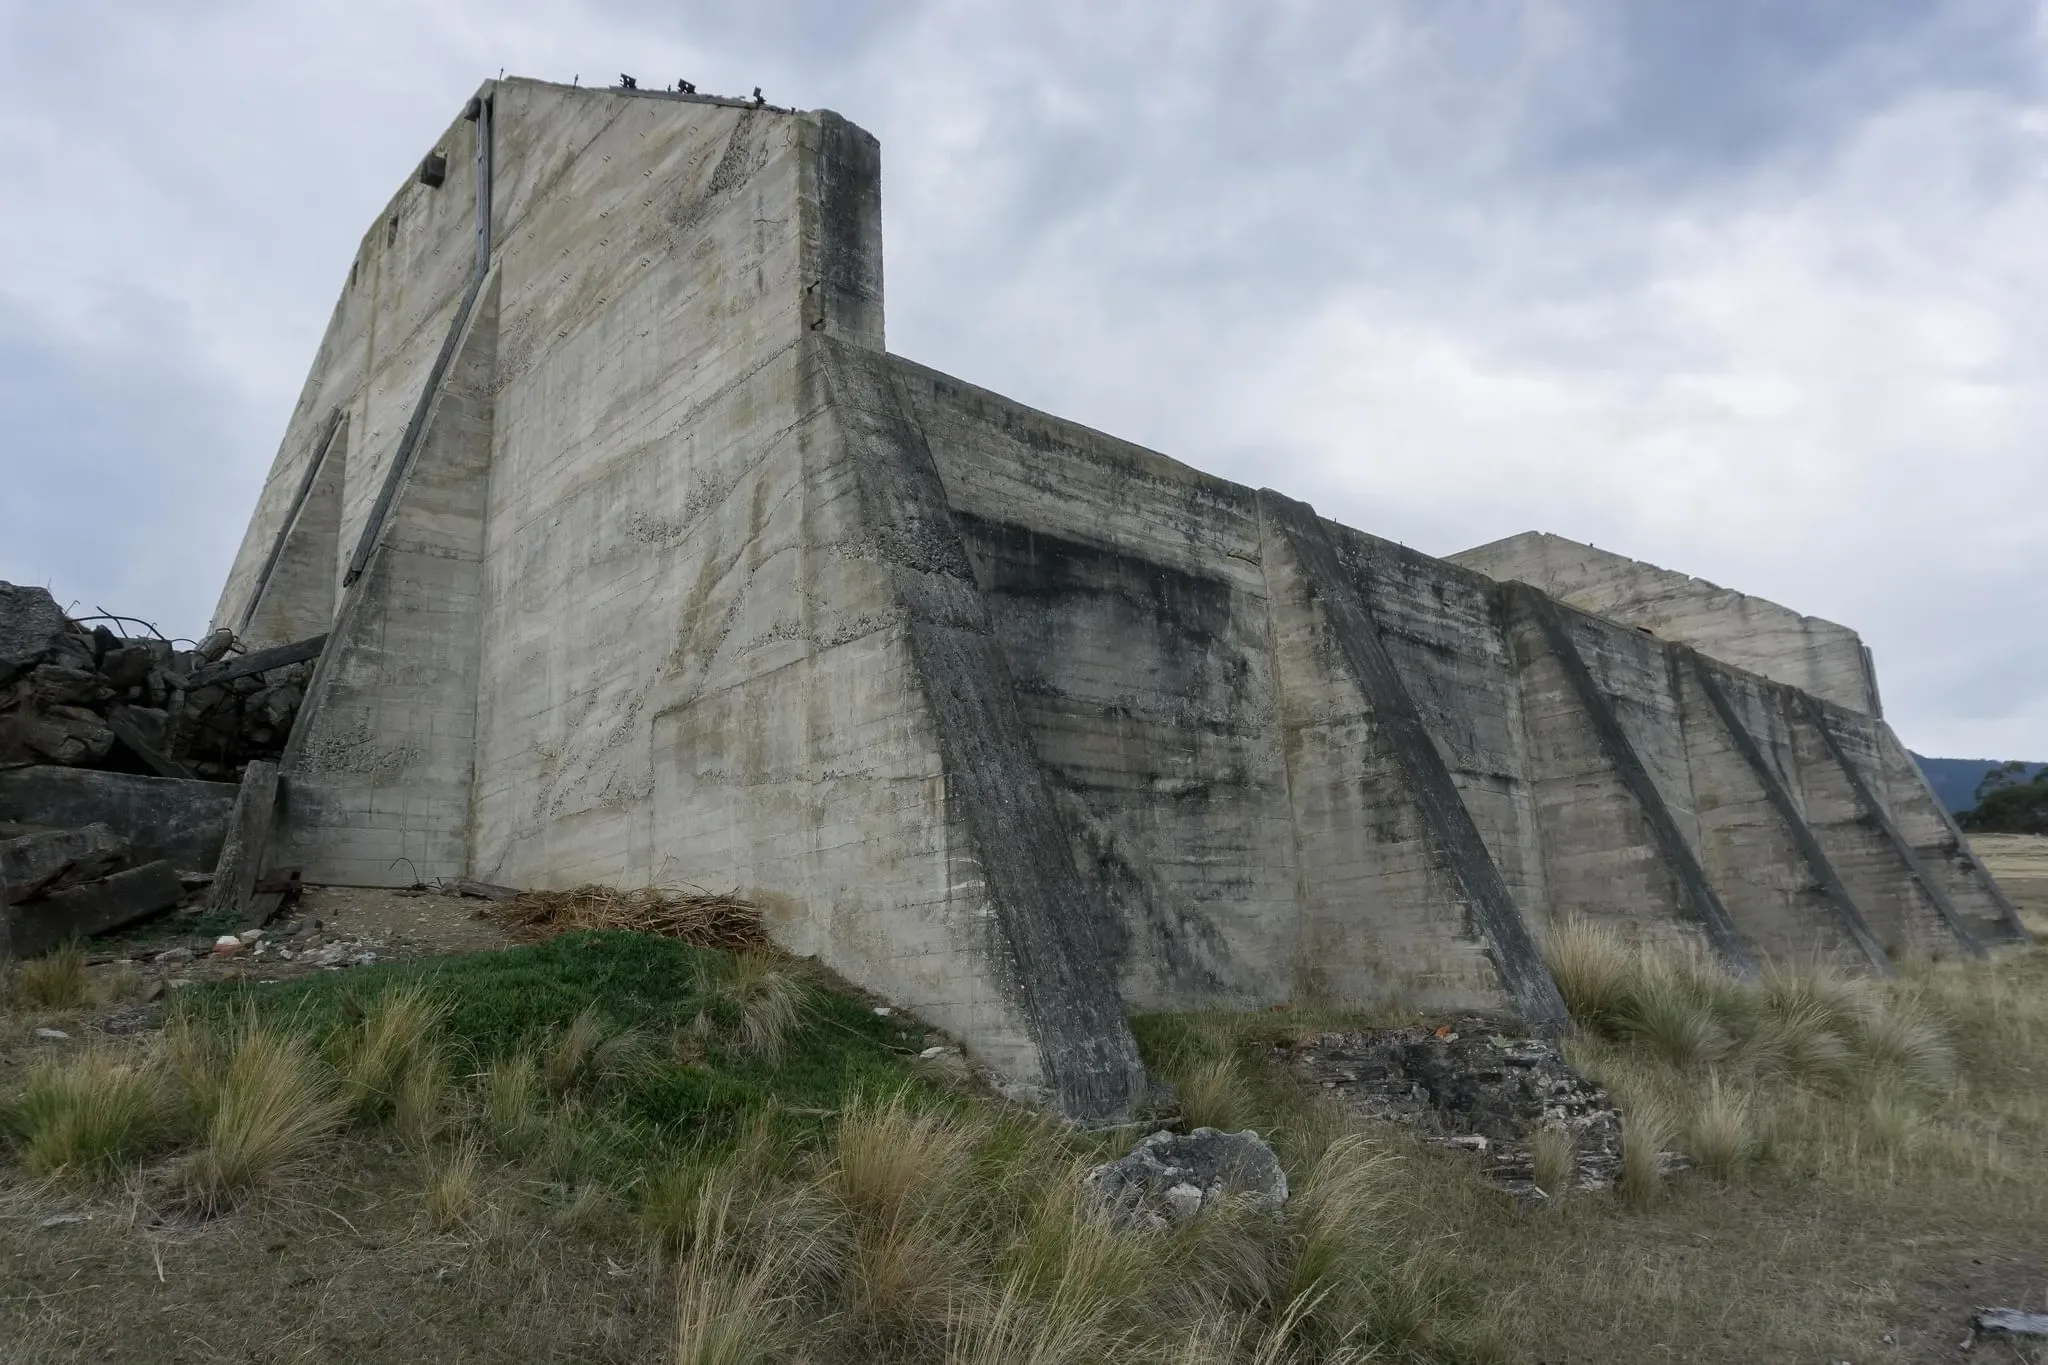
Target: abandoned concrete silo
(643, 560)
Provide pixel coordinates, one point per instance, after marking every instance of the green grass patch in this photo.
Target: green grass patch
(699, 1076)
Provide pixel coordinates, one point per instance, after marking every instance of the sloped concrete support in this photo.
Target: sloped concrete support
(1053, 939)
(1453, 836)
(295, 592)
(1930, 831)
(1904, 902)
(1809, 852)
(377, 773)
(1605, 815)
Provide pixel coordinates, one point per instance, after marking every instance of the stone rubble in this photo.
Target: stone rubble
(1469, 1087)
(1170, 1177)
(82, 696)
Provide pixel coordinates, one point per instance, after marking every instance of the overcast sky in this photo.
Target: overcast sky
(1756, 289)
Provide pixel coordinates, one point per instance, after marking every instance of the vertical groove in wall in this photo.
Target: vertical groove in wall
(1458, 843)
(1874, 812)
(1056, 942)
(1810, 851)
(1695, 891)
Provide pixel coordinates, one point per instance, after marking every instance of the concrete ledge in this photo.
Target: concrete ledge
(179, 820)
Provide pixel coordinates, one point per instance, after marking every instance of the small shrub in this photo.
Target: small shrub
(1555, 1161)
(511, 1096)
(54, 981)
(89, 1114)
(272, 1109)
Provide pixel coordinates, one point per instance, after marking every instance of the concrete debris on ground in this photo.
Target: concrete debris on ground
(60, 884)
(2009, 1323)
(1171, 1177)
(1468, 1086)
(81, 696)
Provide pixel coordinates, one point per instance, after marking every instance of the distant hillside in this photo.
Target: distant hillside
(1955, 779)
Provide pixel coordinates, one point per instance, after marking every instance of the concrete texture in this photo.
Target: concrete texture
(643, 561)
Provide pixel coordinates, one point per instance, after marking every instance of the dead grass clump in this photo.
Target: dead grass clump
(54, 981)
(1669, 1019)
(1721, 1136)
(1073, 1259)
(1595, 971)
(89, 1114)
(1213, 1092)
(420, 1104)
(454, 1186)
(733, 1302)
(704, 919)
(272, 1109)
(397, 1032)
(1646, 1130)
(904, 1182)
(1900, 1043)
(1555, 1159)
(1013, 1326)
(119, 984)
(589, 1054)
(769, 999)
(510, 1103)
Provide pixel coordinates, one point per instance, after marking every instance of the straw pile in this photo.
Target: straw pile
(703, 919)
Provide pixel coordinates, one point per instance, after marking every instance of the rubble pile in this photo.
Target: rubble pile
(59, 883)
(1470, 1087)
(83, 696)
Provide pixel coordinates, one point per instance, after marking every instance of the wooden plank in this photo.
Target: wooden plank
(255, 661)
(248, 841)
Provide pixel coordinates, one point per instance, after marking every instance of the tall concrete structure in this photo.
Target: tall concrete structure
(644, 561)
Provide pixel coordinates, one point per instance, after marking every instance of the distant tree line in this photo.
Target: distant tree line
(2009, 801)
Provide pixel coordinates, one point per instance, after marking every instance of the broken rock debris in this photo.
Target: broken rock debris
(82, 696)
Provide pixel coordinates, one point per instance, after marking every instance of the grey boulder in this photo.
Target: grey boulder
(1171, 1177)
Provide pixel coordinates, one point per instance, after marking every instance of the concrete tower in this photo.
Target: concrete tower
(643, 561)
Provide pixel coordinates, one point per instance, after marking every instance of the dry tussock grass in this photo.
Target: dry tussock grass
(724, 921)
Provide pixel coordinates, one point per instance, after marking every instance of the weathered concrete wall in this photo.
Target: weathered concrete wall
(1813, 655)
(686, 579)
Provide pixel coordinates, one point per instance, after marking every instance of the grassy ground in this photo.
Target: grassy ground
(611, 1147)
